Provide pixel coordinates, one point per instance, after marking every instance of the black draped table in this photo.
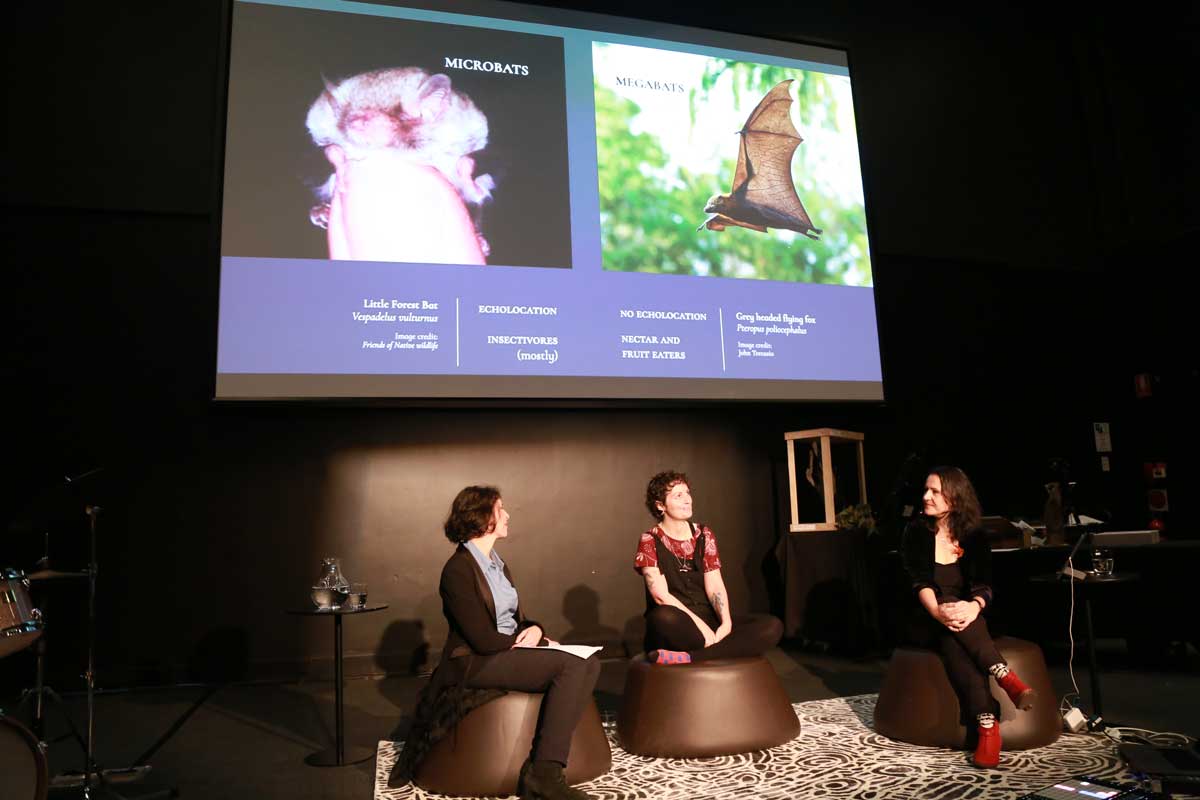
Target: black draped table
(1085, 588)
(1152, 615)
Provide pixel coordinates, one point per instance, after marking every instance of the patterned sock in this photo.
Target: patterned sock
(998, 670)
(668, 657)
(986, 720)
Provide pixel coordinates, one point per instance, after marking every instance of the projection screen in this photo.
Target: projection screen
(489, 200)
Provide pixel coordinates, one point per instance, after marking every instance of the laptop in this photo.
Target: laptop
(1166, 761)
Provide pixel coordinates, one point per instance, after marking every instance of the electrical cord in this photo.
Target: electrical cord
(1122, 733)
(1118, 733)
(1064, 706)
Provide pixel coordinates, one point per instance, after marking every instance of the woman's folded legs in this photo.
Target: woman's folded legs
(566, 680)
(668, 628)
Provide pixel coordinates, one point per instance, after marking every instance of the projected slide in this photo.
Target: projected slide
(489, 200)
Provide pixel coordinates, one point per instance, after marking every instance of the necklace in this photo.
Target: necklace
(950, 544)
(684, 566)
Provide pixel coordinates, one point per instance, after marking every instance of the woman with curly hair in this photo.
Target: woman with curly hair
(688, 616)
(949, 564)
(491, 648)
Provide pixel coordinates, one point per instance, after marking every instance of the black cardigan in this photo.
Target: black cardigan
(917, 551)
(470, 611)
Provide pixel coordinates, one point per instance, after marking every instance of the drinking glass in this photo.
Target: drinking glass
(1102, 561)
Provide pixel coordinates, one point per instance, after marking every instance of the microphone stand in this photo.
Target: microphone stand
(93, 776)
(90, 675)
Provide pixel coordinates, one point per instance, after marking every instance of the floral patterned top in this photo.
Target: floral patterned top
(647, 553)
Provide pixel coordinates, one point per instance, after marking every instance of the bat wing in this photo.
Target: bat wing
(719, 222)
(762, 180)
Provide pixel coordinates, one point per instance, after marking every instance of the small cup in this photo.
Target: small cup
(1102, 561)
(358, 596)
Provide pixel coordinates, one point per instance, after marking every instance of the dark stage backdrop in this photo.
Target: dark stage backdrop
(1032, 224)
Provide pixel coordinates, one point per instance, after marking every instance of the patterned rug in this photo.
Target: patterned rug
(837, 755)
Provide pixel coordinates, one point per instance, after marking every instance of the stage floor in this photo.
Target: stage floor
(249, 741)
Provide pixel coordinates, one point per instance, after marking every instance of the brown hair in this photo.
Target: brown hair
(656, 490)
(471, 513)
(965, 513)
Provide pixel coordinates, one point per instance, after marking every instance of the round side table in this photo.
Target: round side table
(1087, 585)
(338, 756)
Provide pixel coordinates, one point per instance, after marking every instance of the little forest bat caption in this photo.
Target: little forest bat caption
(763, 194)
(403, 110)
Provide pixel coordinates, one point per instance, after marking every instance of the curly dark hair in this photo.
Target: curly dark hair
(471, 513)
(656, 490)
(965, 512)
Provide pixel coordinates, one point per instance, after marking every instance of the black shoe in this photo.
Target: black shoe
(543, 780)
(521, 778)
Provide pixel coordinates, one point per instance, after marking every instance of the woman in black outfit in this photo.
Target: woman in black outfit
(491, 647)
(688, 617)
(949, 563)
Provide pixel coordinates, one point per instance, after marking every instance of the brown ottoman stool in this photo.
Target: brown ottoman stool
(482, 757)
(917, 704)
(710, 708)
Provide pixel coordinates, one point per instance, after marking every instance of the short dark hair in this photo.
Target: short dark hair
(965, 512)
(471, 513)
(656, 490)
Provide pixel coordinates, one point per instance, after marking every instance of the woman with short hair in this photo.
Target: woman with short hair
(688, 615)
(492, 647)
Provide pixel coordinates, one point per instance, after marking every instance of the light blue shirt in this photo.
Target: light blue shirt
(503, 593)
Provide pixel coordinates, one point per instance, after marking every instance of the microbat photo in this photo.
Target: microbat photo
(354, 137)
(402, 120)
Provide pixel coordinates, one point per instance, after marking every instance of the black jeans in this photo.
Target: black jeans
(566, 680)
(668, 628)
(966, 654)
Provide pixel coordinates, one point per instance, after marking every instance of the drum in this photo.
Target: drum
(20, 622)
(23, 773)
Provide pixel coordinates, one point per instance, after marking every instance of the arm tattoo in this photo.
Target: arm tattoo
(718, 601)
(650, 574)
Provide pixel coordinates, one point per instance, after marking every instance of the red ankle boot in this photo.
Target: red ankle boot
(1017, 691)
(987, 751)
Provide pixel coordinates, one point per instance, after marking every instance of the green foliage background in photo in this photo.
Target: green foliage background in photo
(651, 205)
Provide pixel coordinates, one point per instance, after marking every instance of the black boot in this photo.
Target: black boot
(543, 780)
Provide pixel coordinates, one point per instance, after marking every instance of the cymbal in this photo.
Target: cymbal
(62, 501)
(48, 574)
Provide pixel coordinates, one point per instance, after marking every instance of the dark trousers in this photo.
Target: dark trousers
(966, 654)
(567, 682)
(668, 628)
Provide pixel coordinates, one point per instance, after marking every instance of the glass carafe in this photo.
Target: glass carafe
(331, 588)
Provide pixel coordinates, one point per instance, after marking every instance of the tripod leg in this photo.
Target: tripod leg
(101, 788)
(174, 729)
(39, 708)
(75, 734)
